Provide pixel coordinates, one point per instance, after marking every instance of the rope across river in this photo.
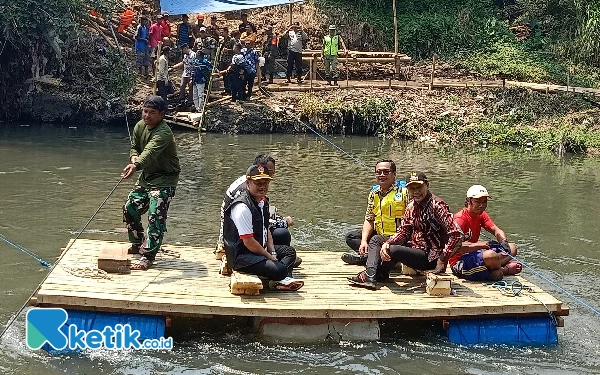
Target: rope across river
(18, 312)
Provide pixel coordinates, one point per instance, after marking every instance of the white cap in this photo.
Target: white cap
(477, 191)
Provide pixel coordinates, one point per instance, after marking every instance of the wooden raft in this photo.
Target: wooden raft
(191, 285)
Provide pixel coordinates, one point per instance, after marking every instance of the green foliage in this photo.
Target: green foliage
(476, 34)
(367, 116)
(117, 78)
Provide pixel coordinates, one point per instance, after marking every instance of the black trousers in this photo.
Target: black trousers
(238, 86)
(250, 83)
(272, 270)
(227, 82)
(353, 239)
(281, 236)
(412, 257)
(294, 58)
(162, 90)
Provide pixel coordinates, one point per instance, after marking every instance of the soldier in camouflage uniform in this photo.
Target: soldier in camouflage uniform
(153, 151)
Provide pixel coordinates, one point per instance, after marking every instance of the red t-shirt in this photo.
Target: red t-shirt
(155, 34)
(166, 29)
(469, 223)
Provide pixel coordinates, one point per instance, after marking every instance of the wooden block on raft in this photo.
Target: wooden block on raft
(245, 284)
(223, 268)
(113, 258)
(219, 252)
(439, 285)
(406, 270)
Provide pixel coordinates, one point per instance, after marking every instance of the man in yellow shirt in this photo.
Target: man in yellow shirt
(385, 209)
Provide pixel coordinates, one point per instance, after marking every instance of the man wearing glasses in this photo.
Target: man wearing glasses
(386, 204)
(430, 227)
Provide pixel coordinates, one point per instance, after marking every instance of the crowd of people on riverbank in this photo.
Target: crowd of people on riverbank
(404, 222)
(237, 55)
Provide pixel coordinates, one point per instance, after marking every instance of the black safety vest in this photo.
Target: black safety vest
(238, 255)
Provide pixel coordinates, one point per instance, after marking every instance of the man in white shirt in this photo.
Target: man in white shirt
(162, 77)
(247, 239)
(186, 77)
(297, 40)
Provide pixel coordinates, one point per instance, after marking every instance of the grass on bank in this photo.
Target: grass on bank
(558, 122)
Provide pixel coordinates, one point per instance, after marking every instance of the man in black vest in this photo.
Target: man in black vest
(247, 240)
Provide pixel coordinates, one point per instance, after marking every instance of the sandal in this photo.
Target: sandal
(512, 268)
(142, 264)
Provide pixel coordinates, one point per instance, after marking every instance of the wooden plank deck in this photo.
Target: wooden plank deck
(191, 285)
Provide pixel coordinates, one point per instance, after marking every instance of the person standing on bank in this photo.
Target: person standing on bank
(142, 47)
(162, 76)
(154, 153)
(186, 77)
(183, 32)
(297, 40)
(430, 227)
(331, 46)
(270, 52)
(385, 208)
(247, 240)
(251, 61)
(236, 74)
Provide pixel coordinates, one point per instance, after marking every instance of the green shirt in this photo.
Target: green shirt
(157, 155)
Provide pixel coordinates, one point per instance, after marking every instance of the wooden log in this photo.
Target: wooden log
(354, 54)
(222, 100)
(245, 284)
(113, 258)
(564, 311)
(395, 28)
(372, 60)
(439, 285)
(433, 71)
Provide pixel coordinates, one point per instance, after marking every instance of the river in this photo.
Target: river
(52, 178)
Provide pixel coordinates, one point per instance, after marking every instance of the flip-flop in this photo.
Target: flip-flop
(513, 268)
(142, 264)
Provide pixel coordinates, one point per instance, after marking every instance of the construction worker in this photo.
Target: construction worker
(331, 46)
(270, 52)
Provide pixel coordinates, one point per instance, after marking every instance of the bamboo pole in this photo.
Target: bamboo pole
(258, 74)
(310, 67)
(365, 59)
(433, 71)
(347, 73)
(395, 28)
(352, 54)
(155, 65)
(210, 82)
(212, 104)
(291, 11)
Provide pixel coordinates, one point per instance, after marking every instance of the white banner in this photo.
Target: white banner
(214, 6)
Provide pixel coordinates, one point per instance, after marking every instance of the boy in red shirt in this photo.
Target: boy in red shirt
(475, 260)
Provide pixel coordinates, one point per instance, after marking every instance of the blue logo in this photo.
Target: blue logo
(45, 326)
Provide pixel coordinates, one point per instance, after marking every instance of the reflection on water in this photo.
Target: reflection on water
(53, 178)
